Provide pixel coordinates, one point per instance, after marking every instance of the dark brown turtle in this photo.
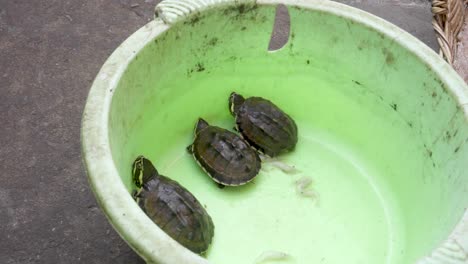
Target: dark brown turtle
(223, 155)
(172, 207)
(263, 125)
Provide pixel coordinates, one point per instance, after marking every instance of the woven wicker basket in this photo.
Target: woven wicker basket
(449, 16)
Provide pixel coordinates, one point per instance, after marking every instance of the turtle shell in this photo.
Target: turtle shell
(177, 212)
(263, 125)
(224, 156)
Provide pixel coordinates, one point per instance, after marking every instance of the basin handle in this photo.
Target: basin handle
(171, 11)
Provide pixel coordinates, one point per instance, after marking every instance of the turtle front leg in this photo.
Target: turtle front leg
(236, 128)
(190, 149)
(135, 194)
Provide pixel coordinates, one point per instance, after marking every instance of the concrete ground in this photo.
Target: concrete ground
(50, 51)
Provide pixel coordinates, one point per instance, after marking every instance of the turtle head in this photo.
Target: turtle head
(143, 171)
(201, 124)
(235, 101)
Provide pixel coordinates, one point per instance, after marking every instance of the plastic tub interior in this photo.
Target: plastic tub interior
(382, 124)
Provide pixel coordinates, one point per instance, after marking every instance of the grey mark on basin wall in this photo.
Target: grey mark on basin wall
(281, 28)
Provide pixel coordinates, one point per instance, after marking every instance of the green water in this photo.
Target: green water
(355, 211)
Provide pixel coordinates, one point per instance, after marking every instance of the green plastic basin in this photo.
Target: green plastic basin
(382, 122)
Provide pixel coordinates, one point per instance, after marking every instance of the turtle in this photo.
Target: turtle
(172, 207)
(223, 155)
(263, 124)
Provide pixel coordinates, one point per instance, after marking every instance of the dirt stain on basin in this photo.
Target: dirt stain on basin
(389, 57)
